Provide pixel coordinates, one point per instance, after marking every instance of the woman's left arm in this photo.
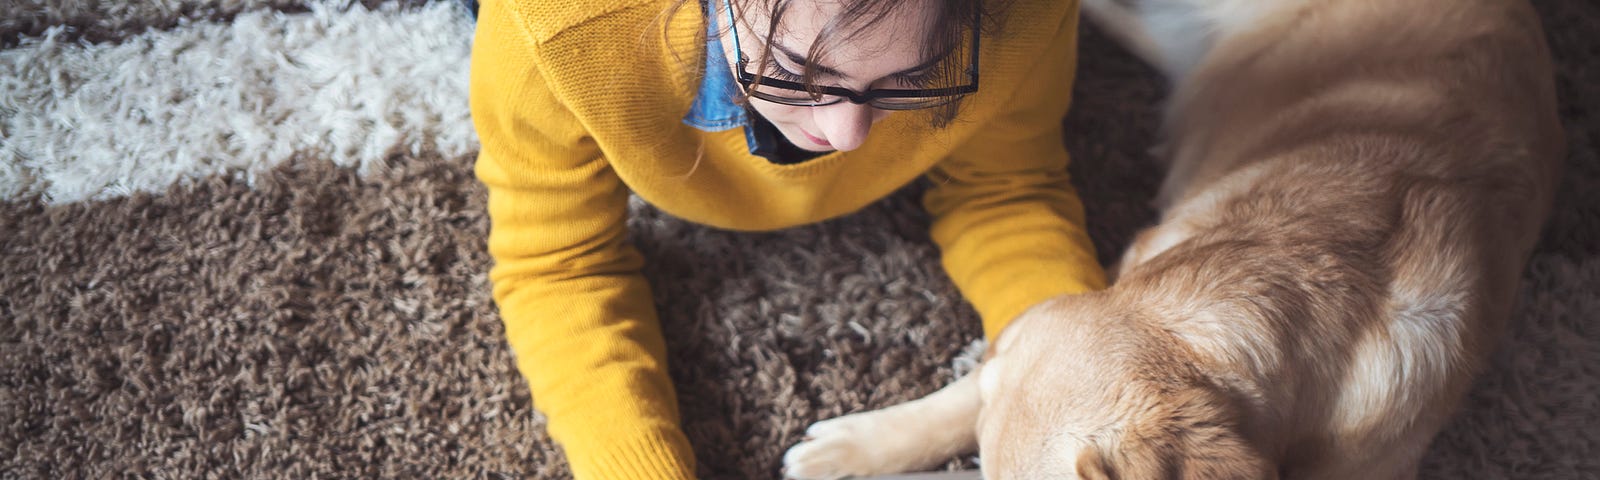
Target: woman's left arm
(1008, 222)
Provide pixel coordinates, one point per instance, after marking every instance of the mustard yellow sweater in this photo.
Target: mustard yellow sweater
(578, 104)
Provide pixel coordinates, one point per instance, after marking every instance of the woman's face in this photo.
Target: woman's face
(869, 59)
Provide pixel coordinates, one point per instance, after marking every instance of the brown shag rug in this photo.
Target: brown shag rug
(200, 280)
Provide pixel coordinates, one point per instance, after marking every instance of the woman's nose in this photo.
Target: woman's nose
(845, 125)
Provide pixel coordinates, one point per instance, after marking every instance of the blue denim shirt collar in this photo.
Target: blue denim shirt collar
(714, 108)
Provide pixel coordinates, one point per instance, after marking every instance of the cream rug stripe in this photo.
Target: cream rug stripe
(84, 121)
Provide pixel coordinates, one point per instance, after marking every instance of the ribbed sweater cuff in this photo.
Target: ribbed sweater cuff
(643, 455)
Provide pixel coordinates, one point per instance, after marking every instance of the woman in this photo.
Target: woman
(752, 115)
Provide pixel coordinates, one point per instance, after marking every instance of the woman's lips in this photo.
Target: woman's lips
(814, 138)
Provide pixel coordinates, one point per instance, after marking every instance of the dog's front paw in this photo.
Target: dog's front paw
(838, 448)
(908, 437)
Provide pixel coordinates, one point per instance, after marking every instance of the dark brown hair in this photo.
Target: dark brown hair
(952, 30)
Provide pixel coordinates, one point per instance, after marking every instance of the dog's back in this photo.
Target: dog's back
(1355, 186)
(1273, 74)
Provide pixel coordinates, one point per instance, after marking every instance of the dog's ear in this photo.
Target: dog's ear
(1227, 459)
(1194, 437)
(1158, 460)
(1092, 465)
(1210, 445)
(1131, 459)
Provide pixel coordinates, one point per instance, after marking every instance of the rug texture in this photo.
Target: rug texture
(241, 239)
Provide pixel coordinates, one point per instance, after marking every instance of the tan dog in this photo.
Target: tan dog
(1355, 187)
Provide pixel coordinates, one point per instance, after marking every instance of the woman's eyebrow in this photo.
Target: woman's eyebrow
(825, 70)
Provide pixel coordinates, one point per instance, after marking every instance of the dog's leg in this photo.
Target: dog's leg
(911, 436)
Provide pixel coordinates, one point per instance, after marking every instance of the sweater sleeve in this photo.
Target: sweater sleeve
(578, 313)
(1009, 224)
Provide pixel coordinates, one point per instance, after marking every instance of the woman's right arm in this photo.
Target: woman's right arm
(578, 313)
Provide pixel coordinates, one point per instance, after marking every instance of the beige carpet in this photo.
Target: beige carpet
(240, 239)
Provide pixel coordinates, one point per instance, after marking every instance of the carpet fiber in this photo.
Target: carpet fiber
(242, 239)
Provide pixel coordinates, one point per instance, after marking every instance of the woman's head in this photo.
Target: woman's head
(859, 45)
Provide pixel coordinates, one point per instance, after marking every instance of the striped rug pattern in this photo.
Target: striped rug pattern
(241, 239)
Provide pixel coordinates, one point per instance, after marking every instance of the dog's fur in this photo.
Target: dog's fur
(1355, 186)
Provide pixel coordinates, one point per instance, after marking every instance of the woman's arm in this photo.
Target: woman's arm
(1009, 224)
(577, 311)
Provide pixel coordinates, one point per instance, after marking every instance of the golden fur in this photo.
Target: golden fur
(1355, 187)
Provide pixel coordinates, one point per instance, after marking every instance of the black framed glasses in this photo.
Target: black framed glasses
(793, 93)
